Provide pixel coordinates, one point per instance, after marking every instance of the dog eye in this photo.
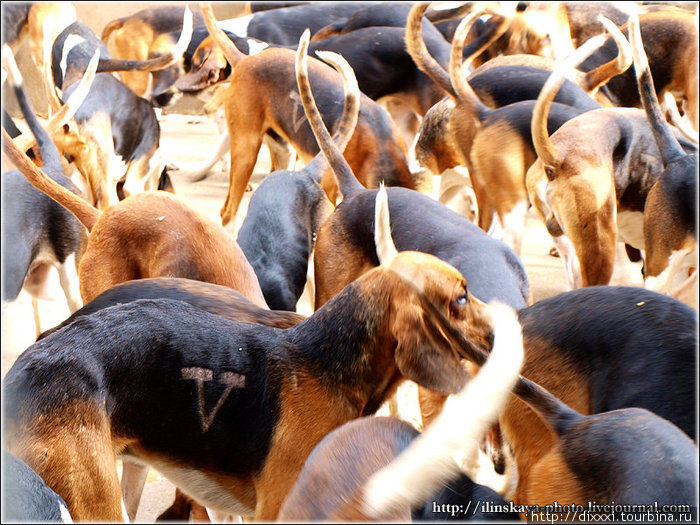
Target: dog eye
(461, 300)
(549, 172)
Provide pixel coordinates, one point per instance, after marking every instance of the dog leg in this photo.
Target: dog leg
(37, 320)
(570, 259)
(68, 277)
(244, 155)
(75, 458)
(132, 483)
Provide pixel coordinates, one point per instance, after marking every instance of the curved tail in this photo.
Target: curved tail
(461, 87)
(230, 51)
(540, 135)
(345, 126)
(595, 78)
(66, 111)
(347, 182)
(415, 45)
(665, 141)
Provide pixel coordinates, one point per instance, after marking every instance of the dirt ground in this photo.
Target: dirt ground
(187, 141)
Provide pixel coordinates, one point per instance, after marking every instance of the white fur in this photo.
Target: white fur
(386, 250)
(237, 26)
(198, 485)
(71, 41)
(65, 515)
(428, 462)
(630, 229)
(676, 273)
(255, 46)
(68, 277)
(567, 253)
(514, 226)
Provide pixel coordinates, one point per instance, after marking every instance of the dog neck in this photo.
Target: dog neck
(349, 343)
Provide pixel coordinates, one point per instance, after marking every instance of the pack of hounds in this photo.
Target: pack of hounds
(408, 143)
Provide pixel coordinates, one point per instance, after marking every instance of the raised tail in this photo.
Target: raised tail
(597, 77)
(66, 111)
(665, 141)
(230, 51)
(347, 182)
(540, 134)
(461, 87)
(429, 461)
(415, 45)
(84, 212)
(345, 126)
(50, 157)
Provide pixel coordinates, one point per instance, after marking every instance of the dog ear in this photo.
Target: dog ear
(423, 354)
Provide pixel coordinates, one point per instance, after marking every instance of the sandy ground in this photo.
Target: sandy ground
(186, 142)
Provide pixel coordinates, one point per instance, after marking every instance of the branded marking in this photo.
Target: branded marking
(201, 375)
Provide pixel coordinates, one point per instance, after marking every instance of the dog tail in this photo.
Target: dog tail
(231, 52)
(668, 146)
(66, 111)
(347, 182)
(86, 213)
(345, 126)
(116, 64)
(538, 127)
(429, 461)
(597, 77)
(50, 156)
(461, 87)
(416, 47)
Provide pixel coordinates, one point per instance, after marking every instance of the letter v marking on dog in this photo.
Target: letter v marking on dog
(298, 119)
(230, 379)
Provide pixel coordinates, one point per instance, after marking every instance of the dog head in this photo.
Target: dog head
(428, 295)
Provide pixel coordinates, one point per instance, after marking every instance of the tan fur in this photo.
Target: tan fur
(132, 41)
(295, 438)
(529, 437)
(254, 105)
(61, 450)
(154, 234)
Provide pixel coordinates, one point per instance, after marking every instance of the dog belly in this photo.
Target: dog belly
(203, 488)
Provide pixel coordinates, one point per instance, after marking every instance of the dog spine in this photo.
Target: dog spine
(665, 141)
(347, 182)
(428, 462)
(231, 52)
(85, 213)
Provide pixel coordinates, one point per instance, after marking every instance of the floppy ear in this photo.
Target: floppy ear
(423, 354)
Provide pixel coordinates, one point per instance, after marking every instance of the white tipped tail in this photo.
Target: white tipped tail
(428, 462)
(384, 244)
